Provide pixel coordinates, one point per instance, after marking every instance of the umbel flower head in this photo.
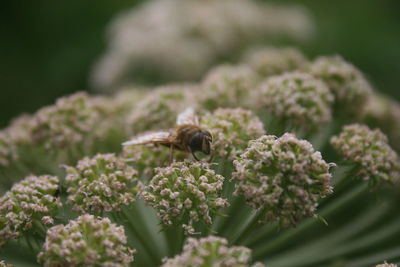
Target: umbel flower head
(86, 241)
(7, 149)
(16, 134)
(3, 264)
(67, 122)
(385, 264)
(102, 183)
(231, 129)
(211, 251)
(158, 110)
(346, 82)
(172, 40)
(227, 86)
(30, 202)
(370, 153)
(297, 98)
(284, 177)
(145, 158)
(384, 113)
(185, 193)
(267, 61)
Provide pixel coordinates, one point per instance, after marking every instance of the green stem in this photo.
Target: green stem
(380, 257)
(303, 254)
(290, 234)
(143, 241)
(264, 233)
(41, 230)
(250, 226)
(174, 236)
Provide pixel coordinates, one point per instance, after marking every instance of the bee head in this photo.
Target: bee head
(201, 141)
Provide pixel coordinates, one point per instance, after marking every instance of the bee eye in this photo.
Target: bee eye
(196, 142)
(205, 147)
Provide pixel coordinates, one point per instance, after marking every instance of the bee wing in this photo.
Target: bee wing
(188, 116)
(148, 138)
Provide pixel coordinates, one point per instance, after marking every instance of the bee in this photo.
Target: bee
(187, 136)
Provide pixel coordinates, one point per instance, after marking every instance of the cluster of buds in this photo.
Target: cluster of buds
(227, 86)
(185, 193)
(171, 40)
(385, 264)
(384, 113)
(3, 264)
(283, 177)
(268, 61)
(67, 122)
(102, 183)
(298, 99)
(31, 201)
(369, 151)
(17, 134)
(8, 151)
(211, 251)
(145, 158)
(158, 110)
(86, 241)
(231, 129)
(346, 82)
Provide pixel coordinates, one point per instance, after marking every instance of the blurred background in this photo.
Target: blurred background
(48, 48)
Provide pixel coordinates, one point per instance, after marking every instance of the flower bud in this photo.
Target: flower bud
(30, 200)
(102, 183)
(227, 86)
(298, 99)
(384, 113)
(158, 110)
(211, 251)
(385, 264)
(174, 187)
(284, 177)
(67, 122)
(349, 86)
(86, 241)
(369, 151)
(268, 61)
(8, 151)
(3, 264)
(145, 158)
(231, 129)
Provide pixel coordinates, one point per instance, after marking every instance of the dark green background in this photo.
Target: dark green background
(47, 47)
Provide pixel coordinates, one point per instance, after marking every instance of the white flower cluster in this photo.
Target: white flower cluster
(158, 110)
(3, 264)
(185, 193)
(298, 99)
(268, 61)
(67, 122)
(7, 149)
(370, 152)
(30, 201)
(211, 251)
(231, 129)
(384, 113)
(180, 39)
(227, 86)
(86, 241)
(102, 183)
(146, 158)
(385, 264)
(349, 86)
(284, 177)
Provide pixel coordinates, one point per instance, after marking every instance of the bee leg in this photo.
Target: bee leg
(211, 158)
(195, 157)
(171, 151)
